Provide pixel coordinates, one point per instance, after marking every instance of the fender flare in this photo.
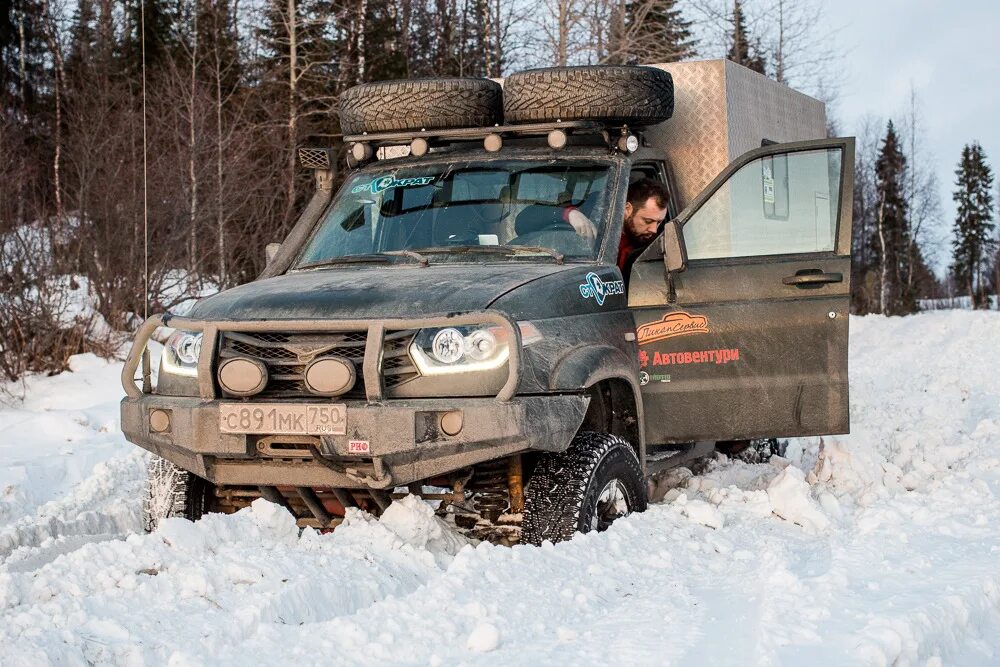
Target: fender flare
(585, 366)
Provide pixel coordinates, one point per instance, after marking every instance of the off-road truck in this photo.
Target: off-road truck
(439, 327)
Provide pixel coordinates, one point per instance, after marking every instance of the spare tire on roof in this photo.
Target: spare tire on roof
(634, 96)
(419, 104)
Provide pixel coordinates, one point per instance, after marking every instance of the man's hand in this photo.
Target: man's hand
(582, 224)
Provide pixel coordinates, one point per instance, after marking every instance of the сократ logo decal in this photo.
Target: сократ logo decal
(594, 287)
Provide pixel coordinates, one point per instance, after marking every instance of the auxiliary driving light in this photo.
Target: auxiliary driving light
(452, 422)
(362, 152)
(242, 376)
(159, 421)
(330, 376)
(557, 139)
(628, 143)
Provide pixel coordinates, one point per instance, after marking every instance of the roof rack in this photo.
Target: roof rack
(526, 129)
(364, 146)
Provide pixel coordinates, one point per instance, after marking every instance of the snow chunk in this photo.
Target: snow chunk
(274, 520)
(182, 534)
(414, 522)
(484, 638)
(790, 499)
(701, 512)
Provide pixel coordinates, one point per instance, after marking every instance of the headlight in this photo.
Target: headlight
(480, 345)
(460, 349)
(181, 353)
(448, 346)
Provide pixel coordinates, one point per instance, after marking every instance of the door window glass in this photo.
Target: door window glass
(780, 204)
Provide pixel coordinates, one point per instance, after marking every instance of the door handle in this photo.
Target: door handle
(803, 279)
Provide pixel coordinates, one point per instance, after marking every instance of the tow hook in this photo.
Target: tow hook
(381, 480)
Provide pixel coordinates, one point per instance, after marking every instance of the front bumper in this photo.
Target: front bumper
(406, 443)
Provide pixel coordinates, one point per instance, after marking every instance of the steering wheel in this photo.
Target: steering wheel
(554, 226)
(555, 236)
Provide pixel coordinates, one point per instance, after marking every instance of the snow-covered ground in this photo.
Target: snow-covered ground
(881, 548)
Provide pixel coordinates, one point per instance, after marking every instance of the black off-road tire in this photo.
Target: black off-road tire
(173, 492)
(561, 497)
(620, 95)
(418, 104)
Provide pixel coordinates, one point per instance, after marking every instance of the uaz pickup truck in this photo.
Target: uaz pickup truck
(438, 326)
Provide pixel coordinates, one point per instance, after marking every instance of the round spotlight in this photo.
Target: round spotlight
(361, 151)
(242, 376)
(159, 421)
(452, 422)
(493, 142)
(557, 139)
(330, 376)
(419, 147)
(628, 143)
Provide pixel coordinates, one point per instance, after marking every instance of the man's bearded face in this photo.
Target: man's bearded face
(641, 223)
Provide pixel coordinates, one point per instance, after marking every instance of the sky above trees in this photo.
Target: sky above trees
(947, 52)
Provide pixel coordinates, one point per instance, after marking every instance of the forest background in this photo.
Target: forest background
(234, 86)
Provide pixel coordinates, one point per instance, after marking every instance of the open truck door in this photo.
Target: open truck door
(750, 339)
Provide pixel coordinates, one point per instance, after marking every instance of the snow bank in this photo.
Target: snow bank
(880, 548)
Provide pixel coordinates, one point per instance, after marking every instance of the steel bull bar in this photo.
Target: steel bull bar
(376, 474)
(373, 345)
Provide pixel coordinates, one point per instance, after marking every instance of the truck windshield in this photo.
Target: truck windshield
(520, 207)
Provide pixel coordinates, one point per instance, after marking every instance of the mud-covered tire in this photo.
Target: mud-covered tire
(562, 495)
(634, 96)
(418, 104)
(172, 492)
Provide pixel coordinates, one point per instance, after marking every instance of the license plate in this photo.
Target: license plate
(272, 419)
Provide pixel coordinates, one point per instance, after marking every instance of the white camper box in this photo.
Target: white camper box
(722, 110)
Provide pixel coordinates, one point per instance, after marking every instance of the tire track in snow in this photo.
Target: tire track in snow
(105, 505)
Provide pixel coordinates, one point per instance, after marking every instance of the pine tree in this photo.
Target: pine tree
(219, 34)
(658, 32)
(973, 245)
(22, 58)
(25, 113)
(158, 38)
(892, 233)
(385, 52)
(743, 50)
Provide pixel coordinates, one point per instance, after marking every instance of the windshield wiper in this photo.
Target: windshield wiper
(559, 257)
(496, 249)
(412, 254)
(387, 256)
(345, 259)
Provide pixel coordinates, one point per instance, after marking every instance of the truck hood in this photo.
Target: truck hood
(371, 292)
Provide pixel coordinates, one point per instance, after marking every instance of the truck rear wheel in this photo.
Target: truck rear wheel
(418, 104)
(633, 96)
(172, 492)
(586, 488)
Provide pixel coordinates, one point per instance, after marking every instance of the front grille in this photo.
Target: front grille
(287, 354)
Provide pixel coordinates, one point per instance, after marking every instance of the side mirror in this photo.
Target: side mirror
(674, 252)
(271, 251)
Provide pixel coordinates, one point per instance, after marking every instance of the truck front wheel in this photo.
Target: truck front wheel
(172, 492)
(586, 488)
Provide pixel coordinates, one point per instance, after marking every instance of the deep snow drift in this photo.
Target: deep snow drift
(882, 547)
